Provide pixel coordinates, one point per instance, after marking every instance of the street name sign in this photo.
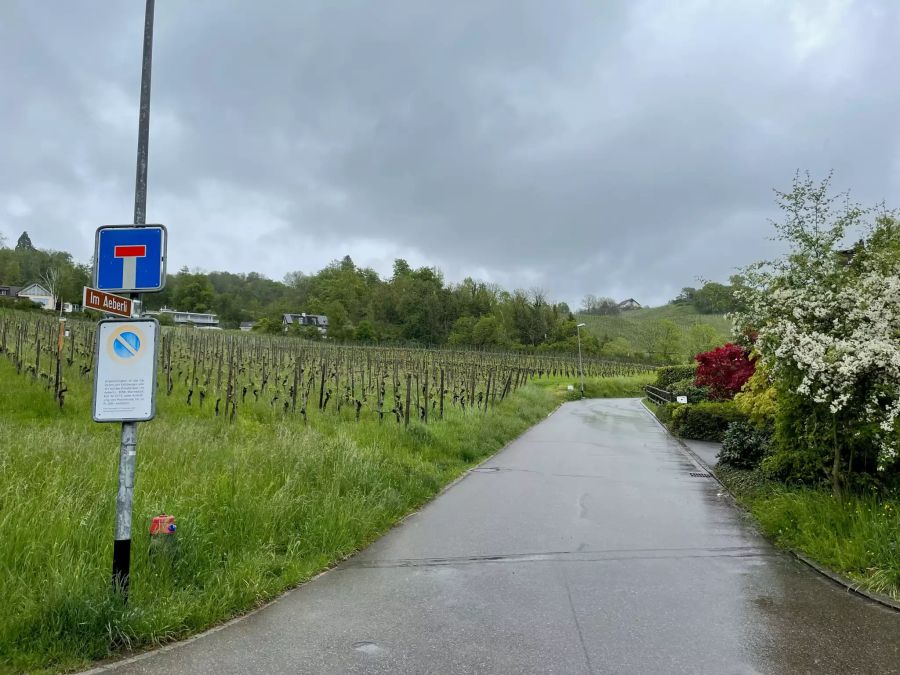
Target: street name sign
(130, 258)
(125, 382)
(106, 302)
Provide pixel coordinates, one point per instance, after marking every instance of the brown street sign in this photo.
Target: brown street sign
(106, 302)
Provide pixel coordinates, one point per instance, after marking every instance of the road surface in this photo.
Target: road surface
(592, 544)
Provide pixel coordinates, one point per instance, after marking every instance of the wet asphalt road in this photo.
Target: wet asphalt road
(586, 546)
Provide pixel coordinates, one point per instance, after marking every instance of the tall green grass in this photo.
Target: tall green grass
(260, 506)
(625, 386)
(857, 536)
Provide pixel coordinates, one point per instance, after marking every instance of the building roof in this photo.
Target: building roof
(180, 317)
(34, 289)
(169, 310)
(306, 319)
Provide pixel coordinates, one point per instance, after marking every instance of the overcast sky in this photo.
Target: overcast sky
(581, 146)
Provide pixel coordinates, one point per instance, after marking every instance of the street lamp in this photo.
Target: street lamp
(578, 328)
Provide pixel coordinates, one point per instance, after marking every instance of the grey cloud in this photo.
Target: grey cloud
(614, 148)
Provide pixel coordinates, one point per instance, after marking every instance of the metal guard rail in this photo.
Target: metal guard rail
(659, 396)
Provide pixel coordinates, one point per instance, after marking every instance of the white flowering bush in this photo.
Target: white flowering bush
(826, 318)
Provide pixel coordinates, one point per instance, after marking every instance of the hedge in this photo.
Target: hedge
(686, 387)
(744, 445)
(707, 421)
(669, 375)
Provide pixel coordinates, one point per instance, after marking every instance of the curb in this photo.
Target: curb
(879, 598)
(836, 578)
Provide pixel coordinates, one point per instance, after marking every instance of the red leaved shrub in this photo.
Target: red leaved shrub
(724, 370)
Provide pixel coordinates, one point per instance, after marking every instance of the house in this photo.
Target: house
(630, 303)
(846, 256)
(320, 321)
(247, 326)
(9, 291)
(195, 319)
(37, 294)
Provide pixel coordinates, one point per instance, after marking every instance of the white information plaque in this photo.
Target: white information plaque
(125, 382)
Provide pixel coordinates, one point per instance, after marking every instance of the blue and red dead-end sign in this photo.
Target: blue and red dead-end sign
(130, 258)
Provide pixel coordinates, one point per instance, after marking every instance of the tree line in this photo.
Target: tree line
(412, 306)
(713, 297)
(56, 271)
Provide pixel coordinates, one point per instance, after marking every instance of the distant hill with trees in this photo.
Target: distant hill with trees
(672, 333)
(412, 306)
(691, 323)
(712, 297)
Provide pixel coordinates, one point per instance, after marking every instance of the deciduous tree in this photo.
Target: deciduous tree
(827, 321)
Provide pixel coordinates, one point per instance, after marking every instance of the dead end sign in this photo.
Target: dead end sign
(130, 258)
(106, 302)
(125, 383)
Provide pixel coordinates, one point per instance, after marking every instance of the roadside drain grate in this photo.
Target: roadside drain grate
(698, 474)
(485, 469)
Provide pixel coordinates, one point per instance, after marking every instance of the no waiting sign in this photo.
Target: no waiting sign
(125, 382)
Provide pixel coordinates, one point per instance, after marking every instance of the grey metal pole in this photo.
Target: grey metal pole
(580, 363)
(140, 181)
(128, 447)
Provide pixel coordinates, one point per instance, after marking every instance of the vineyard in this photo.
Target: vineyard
(277, 456)
(228, 374)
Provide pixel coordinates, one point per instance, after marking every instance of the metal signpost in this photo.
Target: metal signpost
(129, 259)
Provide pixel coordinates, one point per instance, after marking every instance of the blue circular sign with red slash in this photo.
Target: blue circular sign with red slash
(125, 343)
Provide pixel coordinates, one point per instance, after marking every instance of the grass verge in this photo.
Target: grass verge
(857, 536)
(631, 386)
(261, 506)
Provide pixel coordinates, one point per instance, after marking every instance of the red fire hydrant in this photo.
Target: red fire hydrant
(162, 535)
(162, 524)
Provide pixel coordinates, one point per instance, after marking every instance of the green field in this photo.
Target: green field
(264, 499)
(639, 333)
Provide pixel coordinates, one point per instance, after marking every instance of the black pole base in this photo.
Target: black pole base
(121, 566)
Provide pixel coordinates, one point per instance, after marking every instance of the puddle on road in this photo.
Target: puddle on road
(367, 647)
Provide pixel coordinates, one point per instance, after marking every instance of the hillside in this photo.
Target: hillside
(667, 333)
